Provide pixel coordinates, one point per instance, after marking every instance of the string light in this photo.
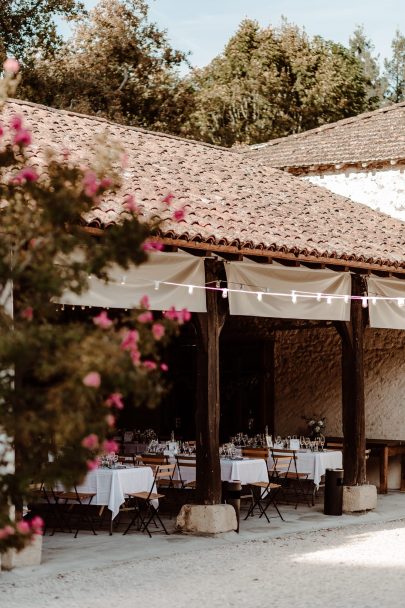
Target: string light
(329, 300)
(319, 297)
(346, 299)
(401, 302)
(259, 296)
(224, 293)
(190, 290)
(293, 297)
(157, 285)
(374, 301)
(364, 302)
(123, 280)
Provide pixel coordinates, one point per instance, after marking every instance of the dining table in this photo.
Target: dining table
(110, 486)
(243, 470)
(315, 463)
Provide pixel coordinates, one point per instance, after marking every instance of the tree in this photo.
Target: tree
(363, 49)
(117, 65)
(272, 82)
(63, 378)
(395, 70)
(27, 26)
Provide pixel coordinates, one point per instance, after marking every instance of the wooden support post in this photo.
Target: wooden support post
(266, 411)
(384, 454)
(209, 324)
(353, 406)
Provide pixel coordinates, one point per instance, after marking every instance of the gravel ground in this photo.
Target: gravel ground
(360, 566)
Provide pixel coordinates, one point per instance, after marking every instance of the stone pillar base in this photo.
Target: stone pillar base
(359, 498)
(30, 556)
(206, 519)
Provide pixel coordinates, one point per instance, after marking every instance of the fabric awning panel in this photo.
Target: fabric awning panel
(269, 278)
(386, 313)
(126, 287)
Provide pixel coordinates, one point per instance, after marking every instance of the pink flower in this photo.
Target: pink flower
(11, 65)
(90, 442)
(37, 524)
(130, 204)
(179, 215)
(92, 379)
(106, 182)
(92, 464)
(90, 184)
(23, 527)
(130, 340)
(115, 400)
(145, 317)
(6, 532)
(109, 445)
(102, 320)
(164, 367)
(144, 302)
(110, 420)
(27, 313)
(149, 365)
(16, 122)
(168, 199)
(181, 316)
(152, 246)
(1, 130)
(158, 331)
(22, 138)
(29, 174)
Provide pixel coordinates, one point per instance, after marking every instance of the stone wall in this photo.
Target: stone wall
(308, 381)
(383, 190)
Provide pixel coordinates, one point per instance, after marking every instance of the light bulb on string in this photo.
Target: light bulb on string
(157, 285)
(364, 302)
(123, 280)
(329, 300)
(374, 301)
(190, 290)
(401, 302)
(225, 293)
(319, 297)
(293, 297)
(346, 299)
(259, 296)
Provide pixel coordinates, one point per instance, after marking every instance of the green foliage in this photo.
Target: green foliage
(117, 65)
(395, 70)
(270, 82)
(26, 25)
(363, 49)
(47, 403)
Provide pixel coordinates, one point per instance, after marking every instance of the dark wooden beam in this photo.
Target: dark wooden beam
(266, 405)
(209, 326)
(353, 402)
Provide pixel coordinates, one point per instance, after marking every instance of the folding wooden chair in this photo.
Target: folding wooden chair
(189, 462)
(78, 506)
(255, 453)
(147, 506)
(153, 460)
(285, 470)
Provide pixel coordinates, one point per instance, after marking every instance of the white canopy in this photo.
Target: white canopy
(126, 287)
(387, 313)
(296, 283)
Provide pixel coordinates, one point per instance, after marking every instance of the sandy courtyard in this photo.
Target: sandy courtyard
(356, 566)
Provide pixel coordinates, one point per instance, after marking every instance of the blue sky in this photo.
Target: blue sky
(204, 26)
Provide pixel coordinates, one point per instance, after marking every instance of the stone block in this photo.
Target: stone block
(359, 498)
(30, 556)
(206, 519)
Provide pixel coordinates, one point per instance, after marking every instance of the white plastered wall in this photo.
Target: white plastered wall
(383, 190)
(308, 382)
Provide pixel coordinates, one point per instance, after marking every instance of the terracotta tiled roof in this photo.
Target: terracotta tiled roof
(374, 137)
(230, 200)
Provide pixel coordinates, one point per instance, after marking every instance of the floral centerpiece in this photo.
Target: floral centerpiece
(316, 426)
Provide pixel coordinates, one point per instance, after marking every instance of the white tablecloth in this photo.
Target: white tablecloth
(246, 471)
(111, 485)
(316, 463)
